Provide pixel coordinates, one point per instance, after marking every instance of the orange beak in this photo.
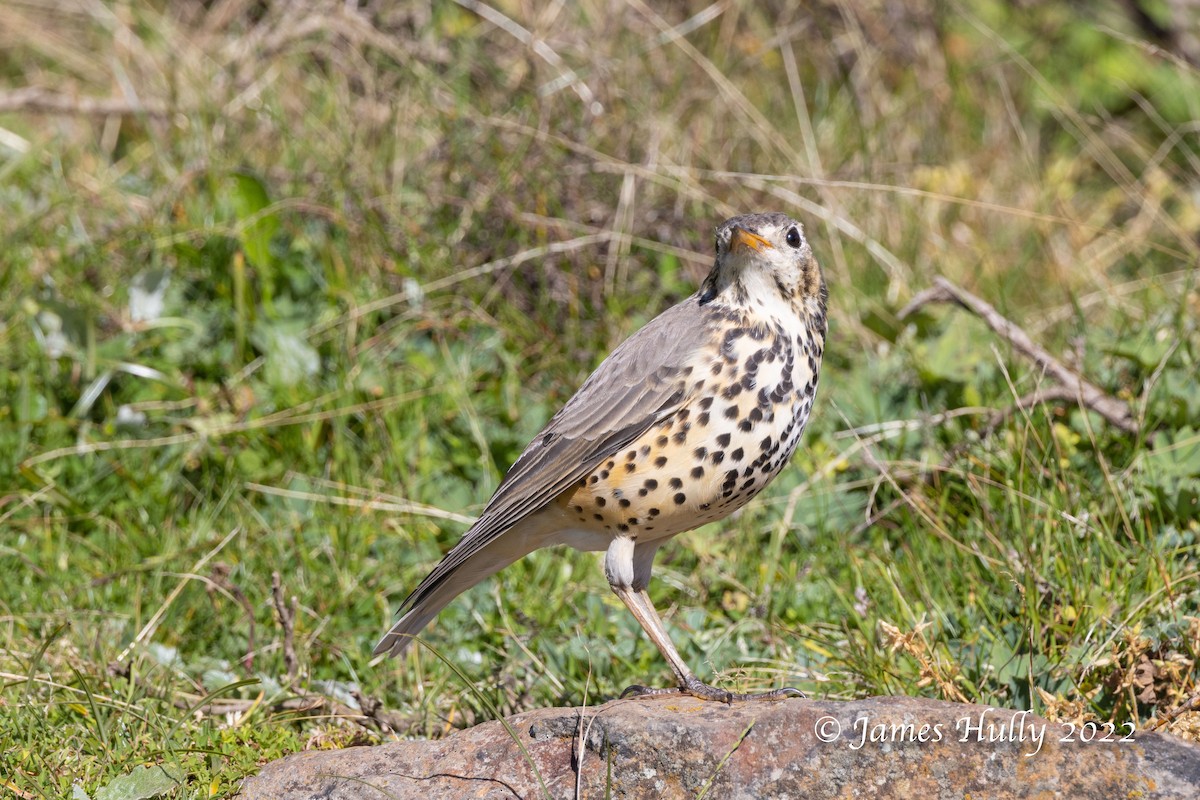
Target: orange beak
(744, 238)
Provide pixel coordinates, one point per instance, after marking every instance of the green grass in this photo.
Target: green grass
(388, 246)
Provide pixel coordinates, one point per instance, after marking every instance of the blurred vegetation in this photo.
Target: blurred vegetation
(285, 287)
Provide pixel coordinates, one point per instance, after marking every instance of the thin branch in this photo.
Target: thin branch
(1191, 704)
(40, 101)
(370, 715)
(398, 506)
(1071, 385)
(220, 582)
(287, 620)
(1049, 394)
(566, 75)
(150, 627)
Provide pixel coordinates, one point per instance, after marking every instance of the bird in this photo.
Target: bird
(681, 425)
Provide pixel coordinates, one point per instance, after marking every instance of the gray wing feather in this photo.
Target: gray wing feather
(637, 386)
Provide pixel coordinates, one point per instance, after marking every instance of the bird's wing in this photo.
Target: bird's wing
(641, 382)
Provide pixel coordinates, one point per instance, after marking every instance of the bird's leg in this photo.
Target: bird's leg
(627, 565)
(638, 603)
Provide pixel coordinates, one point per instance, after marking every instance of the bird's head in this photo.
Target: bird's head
(765, 265)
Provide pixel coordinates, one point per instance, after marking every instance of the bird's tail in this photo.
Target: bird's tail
(447, 581)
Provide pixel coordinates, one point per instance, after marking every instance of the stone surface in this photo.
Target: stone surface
(675, 746)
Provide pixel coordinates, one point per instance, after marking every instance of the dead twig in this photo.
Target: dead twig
(1191, 704)
(370, 713)
(1072, 386)
(40, 101)
(156, 619)
(1049, 394)
(219, 575)
(287, 621)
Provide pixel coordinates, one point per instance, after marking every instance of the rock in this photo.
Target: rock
(675, 746)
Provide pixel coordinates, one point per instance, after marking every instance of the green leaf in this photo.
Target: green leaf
(1145, 351)
(142, 783)
(250, 201)
(958, 352)
(290, 358)
(1175, 455)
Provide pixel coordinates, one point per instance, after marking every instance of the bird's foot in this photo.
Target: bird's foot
(697, 688)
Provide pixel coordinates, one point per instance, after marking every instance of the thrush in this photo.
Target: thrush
(681, 425)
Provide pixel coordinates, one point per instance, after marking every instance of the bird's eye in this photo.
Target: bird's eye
(793, 238)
